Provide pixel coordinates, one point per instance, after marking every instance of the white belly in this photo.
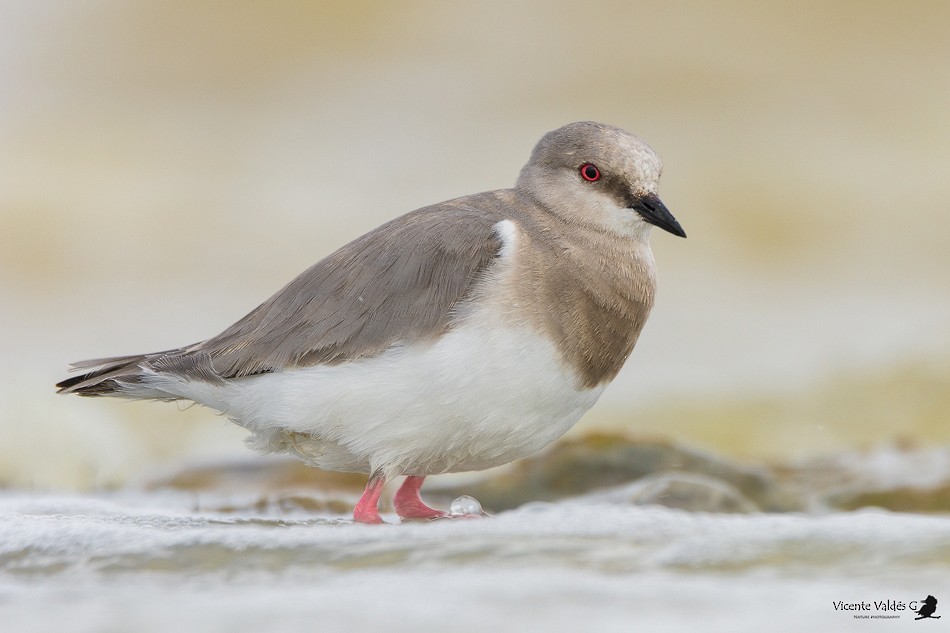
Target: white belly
(482, 395)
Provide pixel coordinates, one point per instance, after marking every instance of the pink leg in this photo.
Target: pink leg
(410, 506)
(367, 508)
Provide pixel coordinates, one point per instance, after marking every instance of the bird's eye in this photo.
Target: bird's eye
(589, 172)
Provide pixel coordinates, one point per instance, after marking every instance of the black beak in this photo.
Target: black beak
(655, 212)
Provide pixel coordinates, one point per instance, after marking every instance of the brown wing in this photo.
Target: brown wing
(396, 284)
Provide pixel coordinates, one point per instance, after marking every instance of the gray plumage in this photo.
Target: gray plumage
(394, 285)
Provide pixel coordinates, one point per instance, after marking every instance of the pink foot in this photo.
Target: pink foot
(367, 508)
(410, 506)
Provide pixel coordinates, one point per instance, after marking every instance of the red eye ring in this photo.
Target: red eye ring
(589, 172)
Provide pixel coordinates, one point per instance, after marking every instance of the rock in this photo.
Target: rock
(269, 486)
(683, 491)
(900, 499)
(596, 461)
(901, 477)
(258, 474)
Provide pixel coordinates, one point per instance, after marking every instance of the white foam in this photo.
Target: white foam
(151, 564)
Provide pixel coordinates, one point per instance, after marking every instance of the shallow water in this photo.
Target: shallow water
(147, 562)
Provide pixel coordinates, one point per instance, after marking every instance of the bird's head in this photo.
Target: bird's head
(599, 176)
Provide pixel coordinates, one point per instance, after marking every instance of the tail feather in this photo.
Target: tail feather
(102, 376)
(158, 376)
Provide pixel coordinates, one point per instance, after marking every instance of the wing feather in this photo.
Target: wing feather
(395, 285)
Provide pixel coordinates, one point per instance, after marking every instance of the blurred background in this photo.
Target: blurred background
(166, 166)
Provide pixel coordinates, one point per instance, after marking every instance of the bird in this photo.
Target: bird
(457, 337)
(927, 609)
